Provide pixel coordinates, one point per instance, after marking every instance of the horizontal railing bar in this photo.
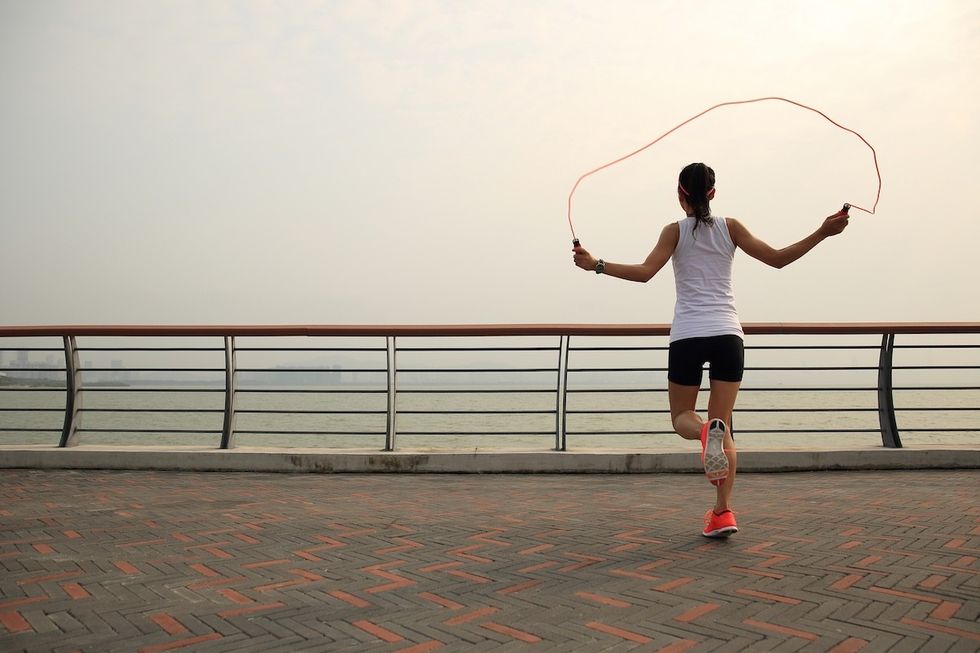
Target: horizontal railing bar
(32, 410)
(268, 432)
(623, 390)
(614, 348)
(27, 430)
(814, 347)
(135, 430)
(661, 390)
(944, 388)
(151, 369)
(276, 411)
(478, 349)
(403, 391)
(738, 431)
(30, 349)
(612, 433)
(34, 389)
(779, 347)
(121, 349)
(32, 370)
(149, 410)
(443, 370)
(601, 433)
(280, 391)
(938, 346)
(942, 430)
(929, 409)
(477, 412)
(89, 388)
(818, 368)
(308, 349)
(401, 349)
(936, 367)
(616, 369)
(438, 433)
(666, 411)
(747, 369)
(620, 411)
(290, 370)
(804, 389)
(449, 330)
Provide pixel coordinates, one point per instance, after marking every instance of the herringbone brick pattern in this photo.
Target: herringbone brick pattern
(138, 561)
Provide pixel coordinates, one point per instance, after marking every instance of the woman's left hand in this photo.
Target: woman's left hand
(583, 259)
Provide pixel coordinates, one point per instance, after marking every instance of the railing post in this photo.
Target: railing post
(561, 409)
(392, 348)
(231, 389)
(73, 394)
(886, 397)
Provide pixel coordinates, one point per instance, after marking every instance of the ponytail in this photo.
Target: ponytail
(696, 182)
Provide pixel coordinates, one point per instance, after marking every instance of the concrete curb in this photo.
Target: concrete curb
(590, 462)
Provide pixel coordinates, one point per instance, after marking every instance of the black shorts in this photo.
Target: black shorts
(724, 354)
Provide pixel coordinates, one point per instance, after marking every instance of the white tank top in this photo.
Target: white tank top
(702, 264)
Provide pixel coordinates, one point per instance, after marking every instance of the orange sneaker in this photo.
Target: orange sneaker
(713, 456)
(722, 525)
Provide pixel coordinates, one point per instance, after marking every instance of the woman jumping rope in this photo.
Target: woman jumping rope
(705, 328)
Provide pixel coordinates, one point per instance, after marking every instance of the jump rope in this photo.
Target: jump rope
(845, 209)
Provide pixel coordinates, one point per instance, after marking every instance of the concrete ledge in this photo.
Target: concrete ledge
(595, 462)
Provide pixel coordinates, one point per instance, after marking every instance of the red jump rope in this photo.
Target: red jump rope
(847, 206)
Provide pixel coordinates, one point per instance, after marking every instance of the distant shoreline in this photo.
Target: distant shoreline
(15, 383)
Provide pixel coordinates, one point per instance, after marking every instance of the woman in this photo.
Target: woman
(705, 328)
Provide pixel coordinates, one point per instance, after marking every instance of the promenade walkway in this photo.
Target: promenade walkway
(160, 561)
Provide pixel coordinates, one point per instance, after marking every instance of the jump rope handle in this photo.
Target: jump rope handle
(575, 242)
(847, 207)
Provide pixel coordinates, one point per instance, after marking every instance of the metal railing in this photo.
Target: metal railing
(570, 391)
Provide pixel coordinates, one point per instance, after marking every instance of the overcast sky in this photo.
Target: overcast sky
(409, 162)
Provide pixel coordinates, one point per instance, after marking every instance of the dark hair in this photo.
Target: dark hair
(695, 182)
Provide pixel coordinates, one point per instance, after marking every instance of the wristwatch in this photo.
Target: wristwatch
(600, 266)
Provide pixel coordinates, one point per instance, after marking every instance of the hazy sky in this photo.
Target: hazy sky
(409, 162)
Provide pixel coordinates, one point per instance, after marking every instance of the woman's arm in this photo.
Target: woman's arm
(643, 272)
(779, 258)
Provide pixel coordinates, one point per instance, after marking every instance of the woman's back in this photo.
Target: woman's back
(702, 262)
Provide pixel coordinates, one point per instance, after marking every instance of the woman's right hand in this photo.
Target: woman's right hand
(834, 224)
(583, 259)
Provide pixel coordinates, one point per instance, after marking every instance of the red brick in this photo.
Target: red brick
(381, 633)
(183, 643)
(512, 632)
(699, 611)
(619, 632)
(170, 625)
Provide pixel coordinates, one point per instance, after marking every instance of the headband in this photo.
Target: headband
(684, 190)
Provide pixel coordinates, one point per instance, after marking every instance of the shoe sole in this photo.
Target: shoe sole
(721, 532)
(715, 460)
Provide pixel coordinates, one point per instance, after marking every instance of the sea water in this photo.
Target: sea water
(441, 418)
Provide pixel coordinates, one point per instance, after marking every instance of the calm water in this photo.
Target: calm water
(535, 431)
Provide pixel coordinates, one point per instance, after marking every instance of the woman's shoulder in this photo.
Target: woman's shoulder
(735, 229)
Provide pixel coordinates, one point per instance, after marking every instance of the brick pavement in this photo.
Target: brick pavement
(163, 561)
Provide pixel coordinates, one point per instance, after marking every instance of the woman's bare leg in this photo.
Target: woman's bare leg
(687, 423)
(683, 399)
(721, 403)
